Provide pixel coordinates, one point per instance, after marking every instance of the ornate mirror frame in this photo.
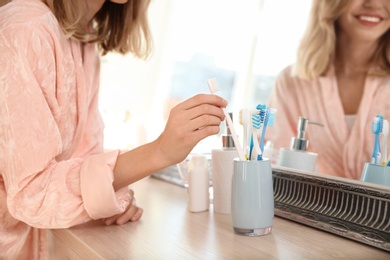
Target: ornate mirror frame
(353, 209)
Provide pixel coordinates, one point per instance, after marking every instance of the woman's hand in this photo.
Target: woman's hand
(189, 122)
(132, 213)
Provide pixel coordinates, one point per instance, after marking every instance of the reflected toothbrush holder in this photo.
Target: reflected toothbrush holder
(375, 173)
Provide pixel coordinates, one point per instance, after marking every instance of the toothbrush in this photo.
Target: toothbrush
(244, 120)
(377, 126)
(251, 145)
(213, 86)
(261, 118)
(385, 132)
(269, 121)
(264, 115)
(256, 119)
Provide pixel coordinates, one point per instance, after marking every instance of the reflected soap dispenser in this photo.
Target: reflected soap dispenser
(297, 156)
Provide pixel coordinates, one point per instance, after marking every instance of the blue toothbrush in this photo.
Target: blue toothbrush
(377, 126)
(261, 118)
(251, 144)
(264, 124)
(256, 123)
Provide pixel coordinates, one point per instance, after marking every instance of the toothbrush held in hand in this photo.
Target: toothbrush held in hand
(213, 86)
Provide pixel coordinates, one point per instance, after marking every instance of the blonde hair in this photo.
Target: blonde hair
(317, 49)
(121, 28)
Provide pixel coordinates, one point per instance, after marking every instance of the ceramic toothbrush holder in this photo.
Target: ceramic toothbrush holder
(252, 194)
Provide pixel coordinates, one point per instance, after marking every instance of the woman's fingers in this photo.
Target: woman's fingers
(203, 99)
(203, 121)
(196, 113)
(189, 122)
(132, 212)
(204, 132)
(206, 109)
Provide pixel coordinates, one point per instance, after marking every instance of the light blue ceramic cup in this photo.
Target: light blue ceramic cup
(375, 173)
(252, 208)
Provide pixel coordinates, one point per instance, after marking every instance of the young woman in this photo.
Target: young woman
(342, 80)
(53, 171)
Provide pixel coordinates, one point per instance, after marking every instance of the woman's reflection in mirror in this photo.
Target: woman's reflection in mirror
(341, 79)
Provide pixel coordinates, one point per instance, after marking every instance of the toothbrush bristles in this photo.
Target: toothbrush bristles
(256, 121)
(213, 86)
(377, 124)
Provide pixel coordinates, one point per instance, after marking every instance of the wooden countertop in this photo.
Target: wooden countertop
(168, 230)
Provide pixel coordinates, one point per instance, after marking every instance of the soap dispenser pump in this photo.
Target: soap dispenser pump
(297, 156)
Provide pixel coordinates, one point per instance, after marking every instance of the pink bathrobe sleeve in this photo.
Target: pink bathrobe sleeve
(54, 173)
(340, 152)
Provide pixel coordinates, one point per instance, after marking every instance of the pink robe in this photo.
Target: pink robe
(53, 172)
(340, 152)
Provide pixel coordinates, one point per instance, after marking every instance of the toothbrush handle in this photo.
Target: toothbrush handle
(234, 135)
(256, 146)
(376, 153)
(251, 147)
(384, 156)
(245, 142)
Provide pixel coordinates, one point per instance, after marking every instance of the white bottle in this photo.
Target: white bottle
(271, 153)
(222, 173)
(198, 184)
(297, 157)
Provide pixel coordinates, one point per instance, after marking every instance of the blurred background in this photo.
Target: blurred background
(244, 44)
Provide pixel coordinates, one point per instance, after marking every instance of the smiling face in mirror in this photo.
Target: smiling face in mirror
(365, 20)
(341, 79)
(119, 1)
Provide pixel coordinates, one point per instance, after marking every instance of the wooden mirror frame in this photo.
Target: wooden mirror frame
(353, 209)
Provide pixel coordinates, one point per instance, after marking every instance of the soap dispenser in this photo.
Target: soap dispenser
(297, 156)
(222, 172)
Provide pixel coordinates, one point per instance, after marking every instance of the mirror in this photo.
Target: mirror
(297, 29)
(356, 210)
(341, 206)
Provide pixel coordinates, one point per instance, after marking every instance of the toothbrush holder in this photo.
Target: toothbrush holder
(252, 208)
(375, 173)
